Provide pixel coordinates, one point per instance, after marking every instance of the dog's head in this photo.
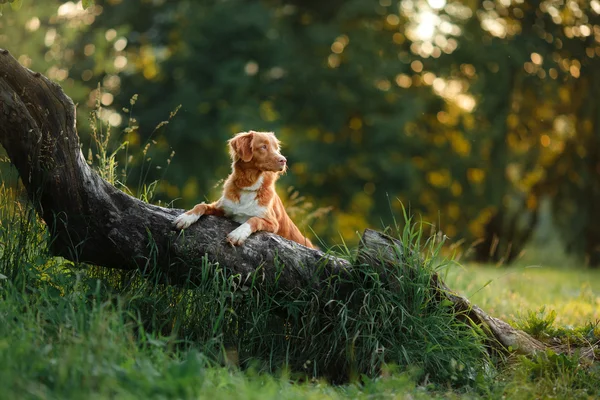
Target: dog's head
(259, 150)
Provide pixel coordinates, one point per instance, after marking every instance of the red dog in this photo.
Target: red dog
(249, 195)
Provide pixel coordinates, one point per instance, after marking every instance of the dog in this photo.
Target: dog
(249, 196)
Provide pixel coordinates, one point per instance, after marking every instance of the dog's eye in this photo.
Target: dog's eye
(264, 147)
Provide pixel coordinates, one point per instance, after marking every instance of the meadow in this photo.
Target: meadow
(510, 293)
(78, 331)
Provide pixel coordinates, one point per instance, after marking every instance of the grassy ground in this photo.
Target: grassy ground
(75, 331)
(63, 338)
(510, 293)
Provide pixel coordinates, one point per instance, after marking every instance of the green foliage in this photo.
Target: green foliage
(15, 5)
(539, 323)
(106, 152)
(555, 376)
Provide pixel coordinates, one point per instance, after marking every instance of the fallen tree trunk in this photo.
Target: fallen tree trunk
(93, 222)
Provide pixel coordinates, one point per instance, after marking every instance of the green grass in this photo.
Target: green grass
(510, 292)
(78, 331)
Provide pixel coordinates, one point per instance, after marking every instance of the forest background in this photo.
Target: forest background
(478, 116)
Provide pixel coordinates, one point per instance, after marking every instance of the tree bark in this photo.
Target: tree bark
(93, 222)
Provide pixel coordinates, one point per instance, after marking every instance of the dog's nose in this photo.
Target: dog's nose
(282, 160)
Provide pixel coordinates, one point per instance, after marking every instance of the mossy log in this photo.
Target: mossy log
(93, 222)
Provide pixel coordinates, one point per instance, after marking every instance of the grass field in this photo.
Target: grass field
(75, 331)
(510, 293)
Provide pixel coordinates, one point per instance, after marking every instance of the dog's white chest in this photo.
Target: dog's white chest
(247, 207)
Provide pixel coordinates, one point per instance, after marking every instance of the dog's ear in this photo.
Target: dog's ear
(240, 146)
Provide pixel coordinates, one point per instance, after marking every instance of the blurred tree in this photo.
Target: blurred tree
(41, 35)
(552, 128)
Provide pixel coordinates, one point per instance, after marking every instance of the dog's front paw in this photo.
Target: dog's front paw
(185, 220)
(239, 235)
